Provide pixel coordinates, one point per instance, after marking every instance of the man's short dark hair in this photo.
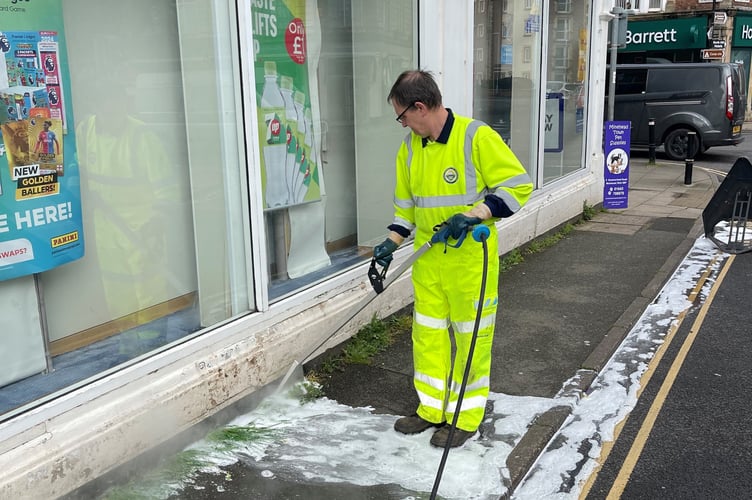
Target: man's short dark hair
(415, 86)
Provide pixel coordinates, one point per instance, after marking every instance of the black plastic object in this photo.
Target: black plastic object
(730, 203)
(375, 277)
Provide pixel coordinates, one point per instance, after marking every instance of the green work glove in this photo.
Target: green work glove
(460, 223)
(383, 252)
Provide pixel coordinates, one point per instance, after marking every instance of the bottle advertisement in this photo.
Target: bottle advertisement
(40, 204)
(290, 174)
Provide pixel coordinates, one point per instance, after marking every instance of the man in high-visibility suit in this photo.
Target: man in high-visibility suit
(454, 170)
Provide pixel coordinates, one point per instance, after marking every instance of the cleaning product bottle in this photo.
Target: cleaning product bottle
(271, 109)
(291, 136)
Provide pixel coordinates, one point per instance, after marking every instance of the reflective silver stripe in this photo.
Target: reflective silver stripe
(471, 181)
(449, 200)
(402, 203)
(434, 382)
(481, 383)
(515, 181)
(430, 402)
(399, 221)
(467, 404)
(471, 197)
(507, 198)
(468, 326)
(429, 322)
(409, 147)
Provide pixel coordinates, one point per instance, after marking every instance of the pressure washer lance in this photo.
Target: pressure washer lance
(379, 283)
(480, 234)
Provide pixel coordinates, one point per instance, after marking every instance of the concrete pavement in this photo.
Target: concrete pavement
(564, 310)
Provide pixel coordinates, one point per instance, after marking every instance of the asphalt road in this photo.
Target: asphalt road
(689, 435)
(718, 158)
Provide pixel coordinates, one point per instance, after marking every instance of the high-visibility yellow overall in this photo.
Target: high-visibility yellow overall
(436, 180)
(129, 185)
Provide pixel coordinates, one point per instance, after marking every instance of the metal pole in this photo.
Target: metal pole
(651, 141)
(689, 162)
(612, 61)
(43, 321)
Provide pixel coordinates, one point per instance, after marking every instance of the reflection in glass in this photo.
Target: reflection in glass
(563, 127)
(507, 72)
(325, 175)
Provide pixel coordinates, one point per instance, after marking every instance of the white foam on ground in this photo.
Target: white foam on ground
(563, 469)
(327, 441)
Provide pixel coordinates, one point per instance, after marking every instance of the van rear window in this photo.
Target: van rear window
(630, 81)
(671, 79)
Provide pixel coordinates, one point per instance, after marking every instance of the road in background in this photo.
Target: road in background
(688, 437)
(719, 158)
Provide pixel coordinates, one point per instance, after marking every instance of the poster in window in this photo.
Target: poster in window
(40, 204)
(289, 157)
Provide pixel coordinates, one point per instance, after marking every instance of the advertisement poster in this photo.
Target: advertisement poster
(553, 129)
(40, 205)
(290, 174)
(616, 171)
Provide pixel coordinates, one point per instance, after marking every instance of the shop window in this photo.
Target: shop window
(182, 224)
(152, 116)
(324, 180)
(566, 66)
(562, 29)
(564, 6)
(506, 96)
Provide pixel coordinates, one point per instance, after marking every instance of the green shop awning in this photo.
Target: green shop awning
(671, 34)
(742, 31)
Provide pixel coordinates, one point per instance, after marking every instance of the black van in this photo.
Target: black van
(708, 98)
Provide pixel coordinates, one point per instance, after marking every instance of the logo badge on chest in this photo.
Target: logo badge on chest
(450, 175)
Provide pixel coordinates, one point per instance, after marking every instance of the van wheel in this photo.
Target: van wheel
(675, 145)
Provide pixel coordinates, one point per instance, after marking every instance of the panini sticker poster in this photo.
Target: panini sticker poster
(40, 207)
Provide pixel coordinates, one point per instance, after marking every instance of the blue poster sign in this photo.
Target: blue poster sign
(616, 169)
(40, 203)
(506, 54)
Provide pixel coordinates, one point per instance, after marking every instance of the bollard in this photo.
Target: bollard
(689, 162)
(651, 141)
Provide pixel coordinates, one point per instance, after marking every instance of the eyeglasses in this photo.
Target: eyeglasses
(402, 115)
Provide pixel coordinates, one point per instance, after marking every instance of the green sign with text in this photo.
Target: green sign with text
(666, 35)
(742, 31)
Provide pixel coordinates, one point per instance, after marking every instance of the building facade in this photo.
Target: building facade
(689, 31)
(191, 192)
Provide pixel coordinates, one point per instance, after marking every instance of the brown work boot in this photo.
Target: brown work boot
(459, 437)
(413, 424)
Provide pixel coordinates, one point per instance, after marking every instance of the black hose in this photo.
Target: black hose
(470, 351)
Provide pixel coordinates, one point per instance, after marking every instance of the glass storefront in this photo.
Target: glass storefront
(326, 208)
(511, 61)
(193, 212)
(190, 192)
(228, 156)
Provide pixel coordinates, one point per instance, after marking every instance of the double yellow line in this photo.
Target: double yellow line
(647, 425)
